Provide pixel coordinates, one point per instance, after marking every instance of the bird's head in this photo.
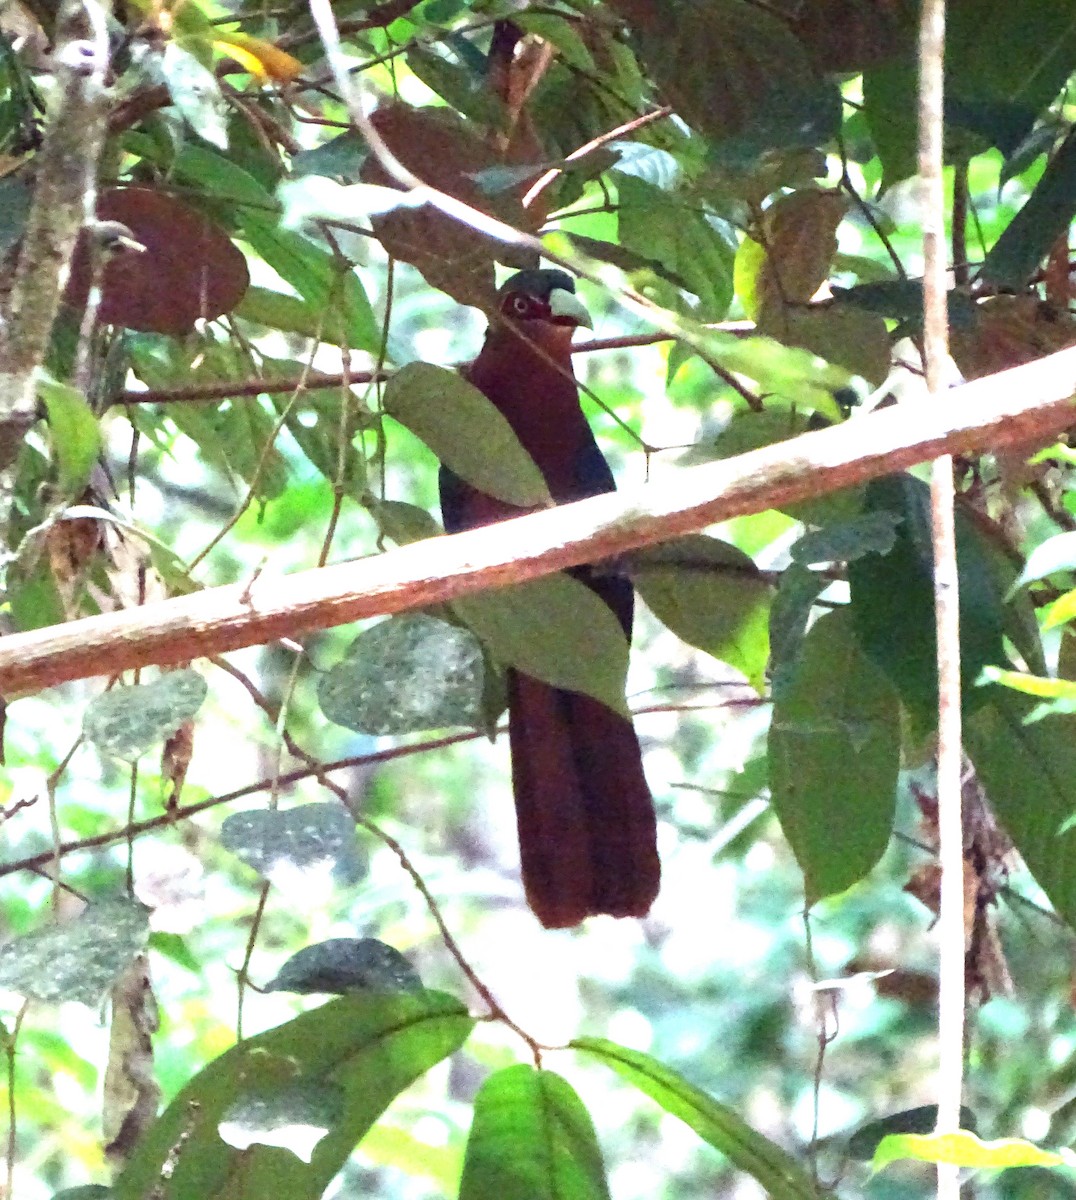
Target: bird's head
(546, 296)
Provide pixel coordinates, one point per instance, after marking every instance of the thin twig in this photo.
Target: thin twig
(322, 379)
(312, 769)
(951, 981)
(603, 139)
(9, 1053)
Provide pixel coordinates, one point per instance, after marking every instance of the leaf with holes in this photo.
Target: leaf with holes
(364, 1050)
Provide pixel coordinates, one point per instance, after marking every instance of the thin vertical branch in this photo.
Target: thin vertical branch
(10, 1042)
(63, 201)
(946, 597)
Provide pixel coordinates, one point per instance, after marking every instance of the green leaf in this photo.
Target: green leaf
(329, 286)
(1044, 217)
(126, 721)
(1029, 773)
(466, 432)
(964, 1149)
(294, 1117)
(556, 629)
(893, 601)
(78, 960)
(32, 593)
(1056, 554)
(835, 707)
(531, 1139)
(712, 596)
(1034, 685)
(1004, 64)
(693, 247)
(276, 310)
(717, 1124)
(791, 610)
(841, 334)
(1061, 611)
(902, 300)
(790, 372)
(408, 674)
(368, 1046)
(75, 434)
(1017, 56)
(404, 523)
(847, 540)
(561, 33)
(779, 421)
(234, 436)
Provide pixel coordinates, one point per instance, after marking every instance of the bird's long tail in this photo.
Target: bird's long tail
(587, 829)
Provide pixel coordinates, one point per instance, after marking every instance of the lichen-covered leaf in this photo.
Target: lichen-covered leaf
(309, 837)
(126, 721)
(78, 960)
(848, 539)
(408, 674)
(342, 965)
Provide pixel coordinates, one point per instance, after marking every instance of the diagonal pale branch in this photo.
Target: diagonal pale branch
(1027, 405)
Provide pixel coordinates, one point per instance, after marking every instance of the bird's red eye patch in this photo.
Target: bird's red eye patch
(523, 307)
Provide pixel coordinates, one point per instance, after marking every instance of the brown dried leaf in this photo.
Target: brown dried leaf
(1008, 332)
(443, 151)
(852, 35)
(190, 268)
(800, 237)
(131, 1092)
(175, 759)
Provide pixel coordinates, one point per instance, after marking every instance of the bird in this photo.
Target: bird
(584, 811)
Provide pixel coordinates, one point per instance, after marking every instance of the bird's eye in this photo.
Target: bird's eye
(518, 306)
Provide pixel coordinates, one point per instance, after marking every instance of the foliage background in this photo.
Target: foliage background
(780, 172)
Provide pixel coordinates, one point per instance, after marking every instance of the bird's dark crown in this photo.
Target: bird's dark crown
(537, 283)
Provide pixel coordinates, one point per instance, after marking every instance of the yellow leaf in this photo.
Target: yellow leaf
(964, 1149)
(261, 58)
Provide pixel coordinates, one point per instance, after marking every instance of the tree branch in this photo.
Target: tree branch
(1026, 406)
